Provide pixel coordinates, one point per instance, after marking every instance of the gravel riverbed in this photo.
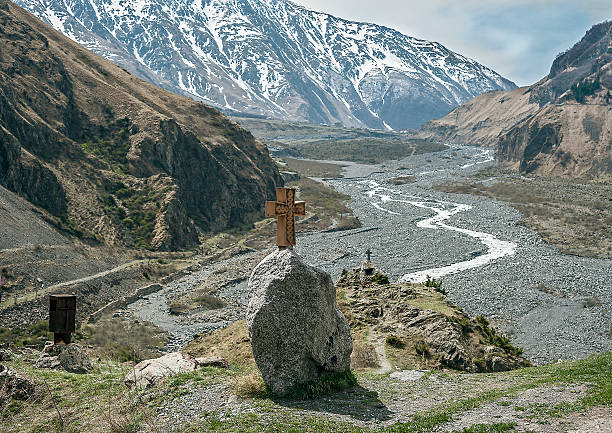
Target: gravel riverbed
(555, 306)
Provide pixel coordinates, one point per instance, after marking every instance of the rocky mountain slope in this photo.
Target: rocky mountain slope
(275, 58)
(560, 125)
(113, 157)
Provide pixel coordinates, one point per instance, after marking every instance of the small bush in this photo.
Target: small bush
(381, 278)
(494, 339)
(420, 347)
(124, 340)
(394, 341)
(209, 301)
(178, 308)
(364, 356)
(436, 285)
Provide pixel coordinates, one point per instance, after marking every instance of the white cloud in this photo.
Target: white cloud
(518, 38)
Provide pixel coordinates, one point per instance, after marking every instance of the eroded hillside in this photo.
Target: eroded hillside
(112, 157)
(561, 125)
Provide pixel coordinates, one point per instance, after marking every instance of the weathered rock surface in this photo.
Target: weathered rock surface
(14, 386)
(67, 357)
(428, 331)
(297, 331)
(6, 355)
(149, 372)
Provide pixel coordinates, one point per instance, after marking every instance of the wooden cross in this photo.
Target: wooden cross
(285, 208)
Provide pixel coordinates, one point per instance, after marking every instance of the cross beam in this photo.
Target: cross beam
(285, 209)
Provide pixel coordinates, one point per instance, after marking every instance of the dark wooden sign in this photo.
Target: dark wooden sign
(62, 316)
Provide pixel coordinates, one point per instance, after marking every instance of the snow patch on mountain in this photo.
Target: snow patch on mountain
(276, 58)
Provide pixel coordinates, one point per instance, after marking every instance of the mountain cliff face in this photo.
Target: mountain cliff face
(113, 157)
(561, 125)
(275, 58)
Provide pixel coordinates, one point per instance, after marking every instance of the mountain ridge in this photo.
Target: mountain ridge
(276, 58)
(115, 158)
(560, 125)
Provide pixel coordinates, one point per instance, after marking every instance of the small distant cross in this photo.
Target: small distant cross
(285, 209)
(368, 254)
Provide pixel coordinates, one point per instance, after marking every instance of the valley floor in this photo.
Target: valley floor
(554, 305)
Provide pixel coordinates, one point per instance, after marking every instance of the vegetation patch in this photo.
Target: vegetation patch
(370, 150)
(35, 335)
(313, 168)
(327, 384)
(494, 339)
(231, 343)
(111, 144)
(489, 428)
(380, 278)
(402, 180)
(585, 88)
(123, 340)
(135, 208)
(328, 205)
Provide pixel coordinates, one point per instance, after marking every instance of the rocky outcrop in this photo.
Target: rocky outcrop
(561, 125)
(481, 120)
(421, 328)
(66, 357)
(297, 332)
(13, 386)
(149, 372)
(113, 157)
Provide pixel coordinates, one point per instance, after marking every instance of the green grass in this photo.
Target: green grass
(94, 402)
(281, 421)
(34, 335)
(368, 150)
(489, 428)
(84, 401)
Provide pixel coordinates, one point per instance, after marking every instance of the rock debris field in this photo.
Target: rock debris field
(555, 306)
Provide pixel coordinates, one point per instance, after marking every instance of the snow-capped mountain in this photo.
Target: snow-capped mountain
(275, 58)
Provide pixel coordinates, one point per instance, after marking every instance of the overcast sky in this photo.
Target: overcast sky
(518, 38)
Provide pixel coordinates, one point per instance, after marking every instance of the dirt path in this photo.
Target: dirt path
(381, 353)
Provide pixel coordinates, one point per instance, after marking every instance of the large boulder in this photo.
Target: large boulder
(297, 331)
(67, 357)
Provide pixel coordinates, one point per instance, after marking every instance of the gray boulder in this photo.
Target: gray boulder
(149, 372)
(297, 331)
(67, 357)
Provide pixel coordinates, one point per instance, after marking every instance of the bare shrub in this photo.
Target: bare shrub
(250, 385)
(364, 356)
